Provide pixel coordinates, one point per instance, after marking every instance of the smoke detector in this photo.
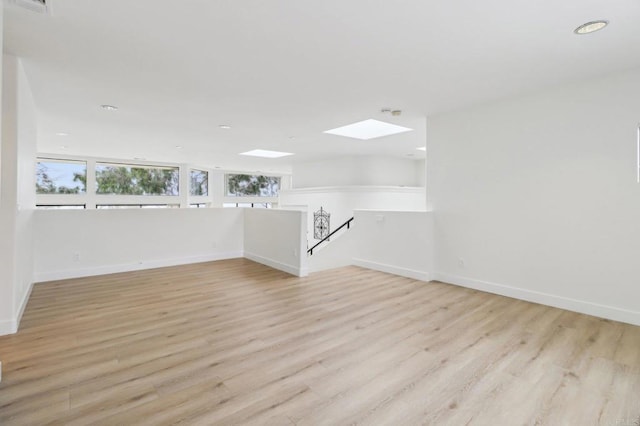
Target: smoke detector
(37, 6)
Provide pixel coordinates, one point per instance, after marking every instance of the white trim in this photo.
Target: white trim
(391, 269)
(313, 268)
(249, 200)
(128, 267)
(355, 188)
(396, 212)
(638, 154)
(290, 269)
(581, 306)
(62, 157)
(23, 305)
(8, 327)
(11, 326)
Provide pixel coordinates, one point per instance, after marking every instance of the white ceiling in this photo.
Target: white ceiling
(283, 71)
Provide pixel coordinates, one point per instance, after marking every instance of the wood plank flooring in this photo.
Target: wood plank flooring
(234, 342)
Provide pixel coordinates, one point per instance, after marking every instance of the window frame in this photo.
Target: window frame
(216, 186)
(90, 199)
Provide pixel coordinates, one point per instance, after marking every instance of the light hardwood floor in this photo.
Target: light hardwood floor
(234, 342)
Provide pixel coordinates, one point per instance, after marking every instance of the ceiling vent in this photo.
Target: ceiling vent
(38, 6)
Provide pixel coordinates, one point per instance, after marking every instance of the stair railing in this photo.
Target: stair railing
(347, 224)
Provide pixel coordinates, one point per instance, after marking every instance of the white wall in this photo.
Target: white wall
(276, 238)
(337, 252)
(27, 142)
(74, 243)
(360, 170)
(17, 198)
(400, 243)
(7, 220)
(537, 197)
(217, 188)
(342, 201)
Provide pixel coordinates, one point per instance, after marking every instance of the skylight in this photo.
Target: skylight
(368, 129)
(266, 154)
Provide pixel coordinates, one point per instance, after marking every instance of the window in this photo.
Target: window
(127, 179)
(252, 186)
(199, 182)
(61, 176)
(198, 205)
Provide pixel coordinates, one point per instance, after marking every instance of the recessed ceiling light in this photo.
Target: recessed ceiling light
(591, 27)
(368, 129)
(62, 134)
(266, 154)
(422, 148)
(63, 147)
(225, 126)
(109, 107)
(178, 147)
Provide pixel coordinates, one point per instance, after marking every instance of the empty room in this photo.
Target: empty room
(345, 212)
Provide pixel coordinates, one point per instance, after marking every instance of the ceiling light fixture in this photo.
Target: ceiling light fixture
(109, 107)
(368, 129)
(422, 148)
(225, 126)
(394, 112)
(62, 134)
(266, 153)
(178, 147)
(591, 27)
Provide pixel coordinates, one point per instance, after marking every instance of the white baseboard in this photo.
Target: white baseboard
(128, 267)
(391, 269)
(11, 326)
(290, 269)
(23, 305)
(583, 307)
(8, 327)
(315, 267)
